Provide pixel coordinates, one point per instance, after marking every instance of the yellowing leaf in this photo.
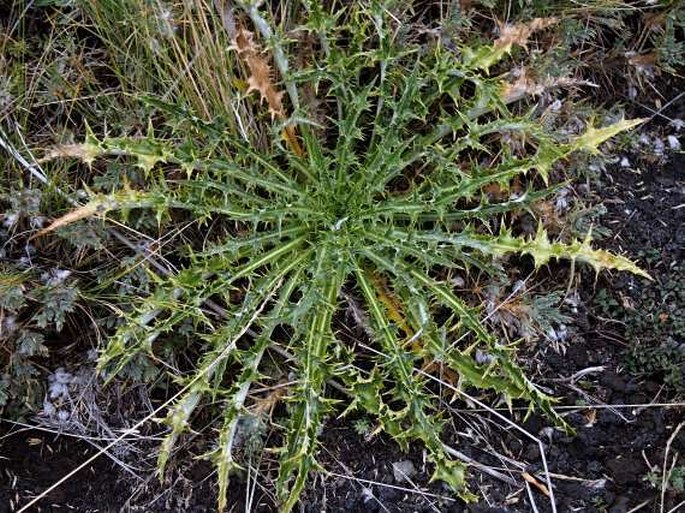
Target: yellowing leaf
(593, 137)
(542, 250)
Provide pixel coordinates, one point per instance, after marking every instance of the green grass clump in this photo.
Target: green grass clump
(355, 185)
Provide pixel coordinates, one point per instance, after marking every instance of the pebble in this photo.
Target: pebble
(403, 470)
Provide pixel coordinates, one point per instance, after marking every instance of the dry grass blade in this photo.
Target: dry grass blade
(394, 487)
(540, 486)
(665, 471)
(515, 426)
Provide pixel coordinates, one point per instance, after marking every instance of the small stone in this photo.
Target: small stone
(614, 381)
(367, 494)
(532, 452)
(403, 470)
(673, 142)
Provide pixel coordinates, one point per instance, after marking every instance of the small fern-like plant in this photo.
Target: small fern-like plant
(368, 195)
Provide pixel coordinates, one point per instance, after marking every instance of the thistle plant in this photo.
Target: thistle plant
(361, 189)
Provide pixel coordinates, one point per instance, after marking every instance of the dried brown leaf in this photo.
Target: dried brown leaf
(268, 403)
(260, 80)
(643, 62)
(527, 85)
(77, 214)
(260, 73)
(519, 33)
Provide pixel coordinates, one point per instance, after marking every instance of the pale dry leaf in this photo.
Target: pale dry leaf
(519, 33)
(260, 80)
(526, 85)
(99, 206)
(88, 210)
(260, 73)
(86, 153)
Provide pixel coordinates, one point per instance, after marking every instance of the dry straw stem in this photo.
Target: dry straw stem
(665, 470)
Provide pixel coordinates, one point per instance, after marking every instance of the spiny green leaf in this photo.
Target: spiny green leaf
(309, 405)
(593, 137)
(223, 456)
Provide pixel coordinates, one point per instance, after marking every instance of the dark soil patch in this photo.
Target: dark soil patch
(601, 468)
(31, 461)
(645, 214)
